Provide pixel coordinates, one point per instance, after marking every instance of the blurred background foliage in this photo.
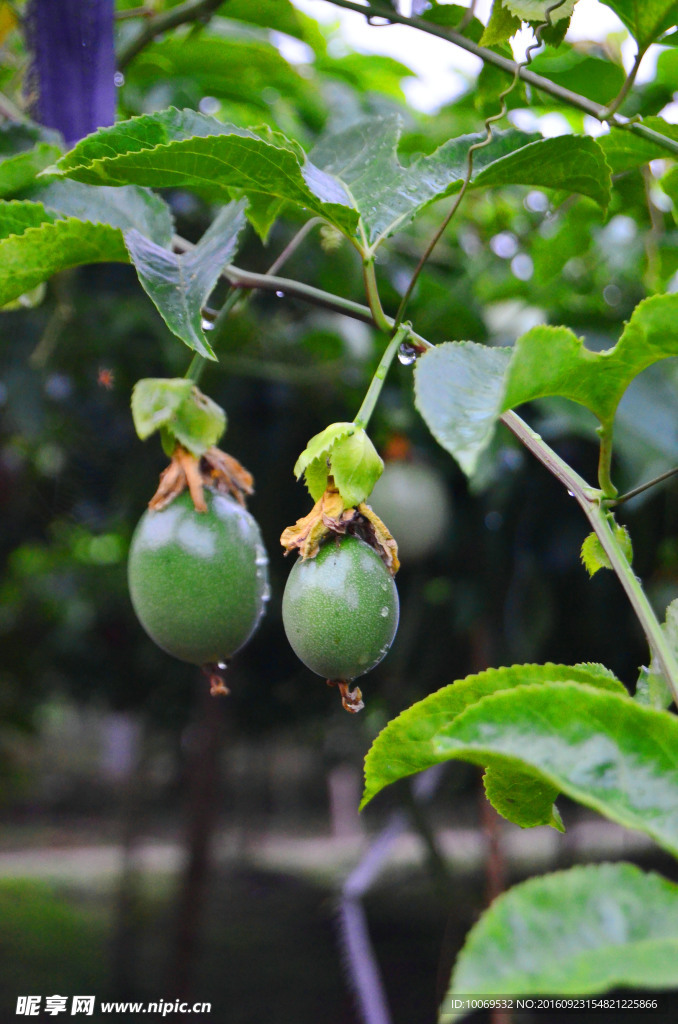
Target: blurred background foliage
(501, 580)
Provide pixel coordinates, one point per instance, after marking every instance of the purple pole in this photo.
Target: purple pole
(73, 65)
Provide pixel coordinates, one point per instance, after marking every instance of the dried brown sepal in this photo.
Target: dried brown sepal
(383, 542)
(214, 469)
(329, 517)
(352, 700)
(227, 475)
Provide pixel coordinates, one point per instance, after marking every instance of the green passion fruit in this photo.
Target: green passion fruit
(340, 609)
(199, 580)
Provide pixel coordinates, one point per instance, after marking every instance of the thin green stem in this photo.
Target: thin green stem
(591, 501)
(376, 384)
(626, 87)
(605, 461)
(613, 502)
(372, 292)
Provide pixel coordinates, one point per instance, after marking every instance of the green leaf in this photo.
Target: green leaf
(553, 361)
(617, 927)
(344, 451)
(501, 26)
(537, 11)
(40, 250)
(523, 799)
(198, 423)
(155, 401)
(594, 556)
(645, 19)
(386, 194)
(126, 207)
(178, 409)
(229, 67)
(625, 150)
(406, 745)
(25, 150)
(16, 216)
(18, 171)
(573, 163)
(601, 749)
(185, 149)
(458, 390)
(179, 285)
(581, 71)
(318, 448)
(356, 466)
(652, 688)
(367, 72)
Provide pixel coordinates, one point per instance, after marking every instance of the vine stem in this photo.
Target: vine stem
(377, 382)
(616, 103)
(590, 500)
(572, 99)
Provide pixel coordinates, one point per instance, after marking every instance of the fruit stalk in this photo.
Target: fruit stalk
(376, 384)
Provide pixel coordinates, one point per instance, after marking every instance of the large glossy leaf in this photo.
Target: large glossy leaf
(190, 150)
(553, 361)
(617, 927)
(36, 243)
(386, 194)
(406, 745)
(180, 284)
(645, 19)
(601, 749)
(124, 208)
(459, 388)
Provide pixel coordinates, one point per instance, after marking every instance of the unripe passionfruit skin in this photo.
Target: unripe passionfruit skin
(340, 609)
(198, 580)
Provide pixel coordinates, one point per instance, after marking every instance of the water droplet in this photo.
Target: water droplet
(222, 665)
(206, 325)
(266, 592)
(280, 295)
(118, 79)
(384, 612)
(407, 354)
(571, 493)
